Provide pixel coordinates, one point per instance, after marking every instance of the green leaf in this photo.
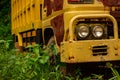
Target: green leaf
(57, 67)
(2, 41)
(44, 59)
(113, 78)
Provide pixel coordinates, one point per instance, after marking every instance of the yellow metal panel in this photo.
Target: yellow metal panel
(17, 24)
(17, 7)
(32, 2)
(37, 14)
(20, 40)
(25, 15)
(81, 51)
(20, 21)
(20, 4)
(32, 11)
(24, 3)
(24, 18)
(27, 2)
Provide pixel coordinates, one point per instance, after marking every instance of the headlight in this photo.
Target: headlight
(82, 31)
(98, 31)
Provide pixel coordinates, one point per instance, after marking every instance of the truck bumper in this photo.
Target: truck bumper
(90, 51)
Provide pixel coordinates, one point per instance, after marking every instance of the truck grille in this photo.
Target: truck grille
(99, 50)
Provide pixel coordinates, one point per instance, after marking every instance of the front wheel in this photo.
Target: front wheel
(53, 51)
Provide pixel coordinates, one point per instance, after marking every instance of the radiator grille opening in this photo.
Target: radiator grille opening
(99, 50)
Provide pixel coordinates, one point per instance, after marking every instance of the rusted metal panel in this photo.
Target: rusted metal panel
(48, 4)
(54, 5)
(111, 2)
(116, 14)
(58, 21)
(58, 26)
(57, 5)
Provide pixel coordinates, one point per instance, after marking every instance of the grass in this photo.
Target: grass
(32, 65)
(35, 65)
(115, 72)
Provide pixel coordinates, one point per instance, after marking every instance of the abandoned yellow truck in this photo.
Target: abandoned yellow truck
(83, 30)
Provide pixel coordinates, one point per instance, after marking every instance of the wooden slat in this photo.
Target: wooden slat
(24, 35)
(33, 43)
(33, 33)
(28, 34)
(24, 44)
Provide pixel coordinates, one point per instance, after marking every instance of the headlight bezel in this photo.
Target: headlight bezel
(97, 33)
(91, 27)
(80, 31)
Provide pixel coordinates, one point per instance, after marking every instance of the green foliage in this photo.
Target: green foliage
(5, 20)
(5, 45)
(35, 65)
(115, 73)
(22, 66)
(32, 65)
(53, 50)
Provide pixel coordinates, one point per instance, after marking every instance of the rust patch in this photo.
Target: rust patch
(57, 5)
(111, 2)
(58, 26)
(58, 21)
(48, 4)
(54, 5)
(116, 14)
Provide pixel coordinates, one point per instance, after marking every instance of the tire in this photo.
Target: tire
(50, 41)
(65, 68)
(53, 57)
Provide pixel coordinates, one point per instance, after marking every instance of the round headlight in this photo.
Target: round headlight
(98, 31)
(82, 31)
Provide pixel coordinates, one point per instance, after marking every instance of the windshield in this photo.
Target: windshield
(80, 1)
